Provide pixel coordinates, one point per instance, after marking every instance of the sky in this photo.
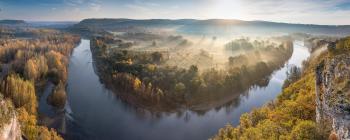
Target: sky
(330, 12)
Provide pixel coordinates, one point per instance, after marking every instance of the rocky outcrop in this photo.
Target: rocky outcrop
(11, 131)
(333, 94)
(9, 128)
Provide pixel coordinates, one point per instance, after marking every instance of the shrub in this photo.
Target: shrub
(58, 97)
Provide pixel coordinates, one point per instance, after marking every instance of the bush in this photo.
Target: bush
(304, 130)
(58, 97)
(30, 129)
(46, 134)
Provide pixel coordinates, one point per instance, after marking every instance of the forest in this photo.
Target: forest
(293, 114)
(163, 75)
(147, 79)
(174, 70)
(27, 64)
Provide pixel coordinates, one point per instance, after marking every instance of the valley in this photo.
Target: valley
(157, 79)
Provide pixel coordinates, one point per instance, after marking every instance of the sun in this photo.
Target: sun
(227, 9)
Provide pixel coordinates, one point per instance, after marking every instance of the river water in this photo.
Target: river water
(94, 112)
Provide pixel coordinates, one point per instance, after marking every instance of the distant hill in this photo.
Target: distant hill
(12, 22)
(211, 26)
(51, 24)
(37, 24)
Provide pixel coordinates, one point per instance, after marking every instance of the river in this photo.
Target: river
(94, 112)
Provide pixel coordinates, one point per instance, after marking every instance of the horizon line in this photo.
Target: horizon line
(199, 19)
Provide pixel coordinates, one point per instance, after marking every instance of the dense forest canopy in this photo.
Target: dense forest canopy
(26, 65)
(149, 77)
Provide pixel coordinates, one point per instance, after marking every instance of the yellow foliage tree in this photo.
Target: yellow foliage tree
(137, 84)
(30, 70)
(21, 92)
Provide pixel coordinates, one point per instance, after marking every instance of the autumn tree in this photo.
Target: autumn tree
(137, 84)
(58, 97)
(30, 70)
(21, 92)
(28, 124)
(57, 65)
(46, 134)
(43, 57)
(304, 130)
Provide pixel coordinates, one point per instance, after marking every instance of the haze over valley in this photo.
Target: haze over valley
(176, 70)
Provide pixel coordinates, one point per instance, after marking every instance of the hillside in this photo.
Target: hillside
(12, 22)
(304, 110)
(211, 26)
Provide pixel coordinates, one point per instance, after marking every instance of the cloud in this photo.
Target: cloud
(95, 6)
(74, 2)
(295, 11)
(302, 11)
(145, 6)
(137, 7)
(146, 3)
(291, 6)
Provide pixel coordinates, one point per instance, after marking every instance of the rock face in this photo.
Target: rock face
(9, 128)
(11, 131)
(333, 94)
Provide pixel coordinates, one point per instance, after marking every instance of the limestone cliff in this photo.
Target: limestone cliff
(333, 94)
(9, 125)
(11, 131)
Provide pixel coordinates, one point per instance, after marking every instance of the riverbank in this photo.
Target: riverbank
(162, 88)
(97, 113)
